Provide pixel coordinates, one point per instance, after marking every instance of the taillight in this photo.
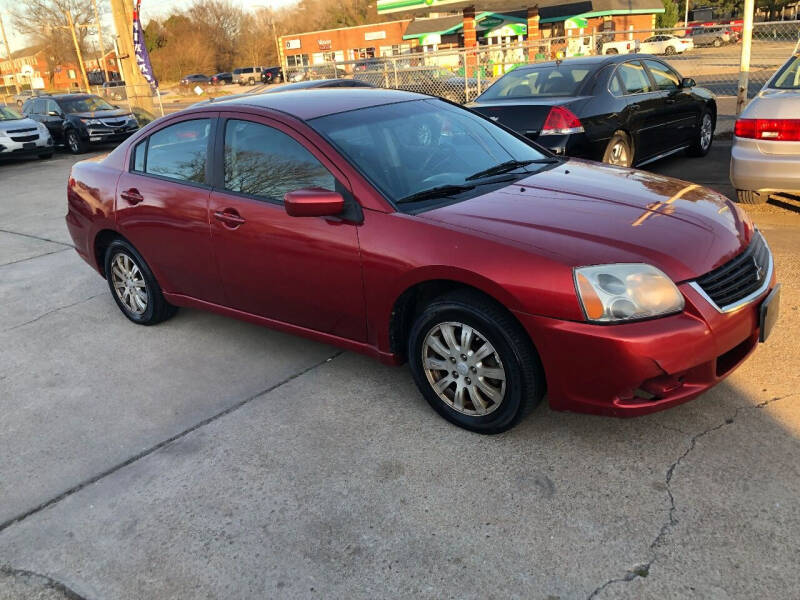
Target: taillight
(780, 130)
(561, 121)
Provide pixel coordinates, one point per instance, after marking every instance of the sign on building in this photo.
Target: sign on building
(293, 44)
(375, 35)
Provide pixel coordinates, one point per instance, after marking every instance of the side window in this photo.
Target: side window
(178, 151)
(139, 155)
(634, 79)
(614, 86)
(51, 106)
(264, 162)
(665, 78)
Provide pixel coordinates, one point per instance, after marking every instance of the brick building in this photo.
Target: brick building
(30, 69)
(345, 44)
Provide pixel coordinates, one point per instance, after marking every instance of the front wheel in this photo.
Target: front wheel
(133, 285)
(612, 51)
(669, 51)
(74, 142)
(717, 42)
(251, 81)
(705, 136)
(474, 364)
(618, 151)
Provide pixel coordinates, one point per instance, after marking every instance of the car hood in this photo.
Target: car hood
(102, 114)
(583, 213)
(25, 123)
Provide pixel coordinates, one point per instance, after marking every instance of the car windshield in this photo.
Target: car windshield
(409, 149)
(9, 114)
(546, 81)
(80, 105)
(788, 78)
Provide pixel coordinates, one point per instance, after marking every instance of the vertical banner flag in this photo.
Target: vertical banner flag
(140, 49)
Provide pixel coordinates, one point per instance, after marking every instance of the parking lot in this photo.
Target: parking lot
(210, 458)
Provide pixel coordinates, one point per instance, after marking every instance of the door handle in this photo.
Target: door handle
(229, 217)
(132, 195)
(670, 100)
(635, 107)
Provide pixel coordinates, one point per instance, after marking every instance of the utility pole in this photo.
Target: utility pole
(77, 48)
(100, 39)
(8, 52)
(744, 62)
(686, 16)
(136, 86)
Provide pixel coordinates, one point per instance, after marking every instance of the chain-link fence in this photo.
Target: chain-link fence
(709, 55)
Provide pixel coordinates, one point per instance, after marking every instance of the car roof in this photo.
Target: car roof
(324, 101)
(70, 96)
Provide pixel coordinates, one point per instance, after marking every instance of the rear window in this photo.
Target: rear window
(546, 81)
(788, 78)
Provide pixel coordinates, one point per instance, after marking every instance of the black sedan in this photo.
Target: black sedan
(222, 78)
(625, 110)
(195, 79)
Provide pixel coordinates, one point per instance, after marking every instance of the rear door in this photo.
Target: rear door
(640, 115)
(300, 270)
(162, 206)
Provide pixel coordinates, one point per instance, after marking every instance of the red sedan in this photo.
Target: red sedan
(408, 228)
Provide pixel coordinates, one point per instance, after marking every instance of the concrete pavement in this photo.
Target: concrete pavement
(208, 458)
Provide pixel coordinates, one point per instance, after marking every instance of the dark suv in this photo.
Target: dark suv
(272, 75)
(77, 120)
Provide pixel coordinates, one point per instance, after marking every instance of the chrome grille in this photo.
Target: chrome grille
(740, 279)
(111, 123)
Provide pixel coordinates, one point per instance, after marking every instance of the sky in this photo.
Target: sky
(150, 9)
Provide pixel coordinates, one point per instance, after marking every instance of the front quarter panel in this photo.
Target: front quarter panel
(400, 251)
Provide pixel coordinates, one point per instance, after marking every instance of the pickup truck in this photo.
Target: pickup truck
(621, 47)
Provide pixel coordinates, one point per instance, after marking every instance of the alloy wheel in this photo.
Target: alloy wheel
(618, 155)
(74, 143)
(463, 368)
(129, 284)
(706, 132)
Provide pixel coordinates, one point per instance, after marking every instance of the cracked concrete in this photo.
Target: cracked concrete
(209, 458)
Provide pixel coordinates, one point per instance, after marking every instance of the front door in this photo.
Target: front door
(305, 271)
(680, 113)
(162, 208)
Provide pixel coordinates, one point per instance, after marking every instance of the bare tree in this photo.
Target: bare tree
(44, 23)
(221, 23)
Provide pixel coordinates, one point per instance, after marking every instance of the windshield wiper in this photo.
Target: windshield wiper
(440, 191)
(509, 165)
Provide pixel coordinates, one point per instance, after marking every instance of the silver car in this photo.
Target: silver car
(765, 157)
(22, 137)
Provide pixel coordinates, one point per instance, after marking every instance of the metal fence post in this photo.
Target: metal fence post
(466, 76)
(744, 63)
(394, 66)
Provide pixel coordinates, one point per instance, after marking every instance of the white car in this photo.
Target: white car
(665, 44)
(23, 137)
(765, 157)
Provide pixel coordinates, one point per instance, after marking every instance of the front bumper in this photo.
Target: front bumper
(765, 166)
(11, 149)
(637, 368)
(106, 135)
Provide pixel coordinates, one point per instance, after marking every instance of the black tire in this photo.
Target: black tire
(74, 143)
(612, 51)
(46, 156)
(525, 382)
(251, 81)
(750, 197)
(700, 144)
(669, 51)
(717, 42)
(621, 138)
(157, 309)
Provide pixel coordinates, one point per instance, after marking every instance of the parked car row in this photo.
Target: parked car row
(241, 75)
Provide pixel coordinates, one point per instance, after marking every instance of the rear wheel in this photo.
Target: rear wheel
(619, 151)
(251, 81)
(669, 51)
(612, 51)
(717, 42)
(705, 136)
(750, 197)
(473, 363)
(133, 285)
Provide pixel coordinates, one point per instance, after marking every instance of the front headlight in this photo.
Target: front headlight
(91, 121)
(626, 292)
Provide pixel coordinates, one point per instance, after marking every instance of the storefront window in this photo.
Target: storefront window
(297, 60)
(364, 52)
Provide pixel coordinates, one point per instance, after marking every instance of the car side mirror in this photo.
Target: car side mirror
(688, 82)
(313, 202)
(53, 113)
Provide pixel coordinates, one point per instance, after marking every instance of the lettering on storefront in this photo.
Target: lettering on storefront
(293, 44)
(375, 35)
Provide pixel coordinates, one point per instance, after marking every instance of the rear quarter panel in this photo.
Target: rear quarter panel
(91, 191)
